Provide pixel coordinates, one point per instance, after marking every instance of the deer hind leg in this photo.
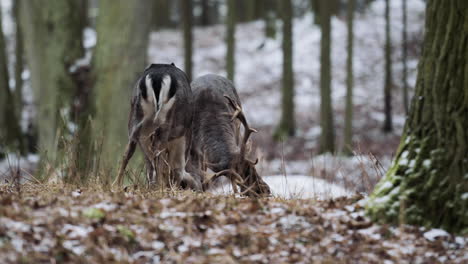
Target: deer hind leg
(150, 171)
(129, 151)
(177, 162)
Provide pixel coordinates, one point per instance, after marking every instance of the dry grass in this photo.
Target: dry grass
(43, 223)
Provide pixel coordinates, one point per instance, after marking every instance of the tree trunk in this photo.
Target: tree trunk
(287, 124)
(388, 124)
(427, 183)
(162, 14)
(269, 15)
(53, 41)
(348, 131)
(187, 17)
(405, 58)
(231, 39)
(10, 132)
(19, 63)
(123, 33)
(327, 139)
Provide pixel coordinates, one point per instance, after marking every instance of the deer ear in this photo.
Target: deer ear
(149, 66)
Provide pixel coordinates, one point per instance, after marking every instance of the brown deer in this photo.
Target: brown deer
(216, 136)
(160, 120)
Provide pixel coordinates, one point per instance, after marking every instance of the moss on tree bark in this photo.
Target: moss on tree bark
(53, 41)
(428, 181)
(121, 55)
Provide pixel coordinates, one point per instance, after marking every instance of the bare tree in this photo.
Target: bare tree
(123, 30)
(405, 57)
(348, 131)
(53, 41)
(327, 138)
(231, 39)
(388, 124)
(187, 19)
(10, 132)
(287, 124)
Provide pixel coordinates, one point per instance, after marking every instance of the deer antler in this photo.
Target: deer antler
(239, 114)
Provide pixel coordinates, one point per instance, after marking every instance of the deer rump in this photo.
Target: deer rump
(160, 120)
(217, 140)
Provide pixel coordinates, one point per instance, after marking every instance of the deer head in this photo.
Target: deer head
(217, 141)
(159, 122)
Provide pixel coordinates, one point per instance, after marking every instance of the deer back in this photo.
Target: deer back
(215, 136)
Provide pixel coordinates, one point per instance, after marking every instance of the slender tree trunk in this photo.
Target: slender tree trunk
(53, 41)
(231, 39)
(388, 124)
(427, 183)
(348, 131)
(123, 33)
(19, 64)
(269, 15)
(405, 58)
(327, 139)
(187, 11)
(10, 132)
(287, 124)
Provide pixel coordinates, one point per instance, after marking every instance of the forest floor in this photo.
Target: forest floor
(56, 223)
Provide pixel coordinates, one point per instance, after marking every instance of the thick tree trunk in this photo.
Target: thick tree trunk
(405, 58)
(231, 39)
(10, 132)
(187, 17)
(53, 41)
(427, 183)
(287, 124)
(123, 30)
(327, 139)
(388, 124)
(162, 14)
(348, 131)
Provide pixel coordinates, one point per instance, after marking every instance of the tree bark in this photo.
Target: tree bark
(19, 63)
(427, 182)
(388, 124)
(405, 57)
(53, 41)
(10, 132)
(269, 16)
(327, 139)
(348, 131)
(123, 33)
(287, 124)
(231, 39)
(187, 12)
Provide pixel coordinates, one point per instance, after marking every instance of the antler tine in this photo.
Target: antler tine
(238, 113)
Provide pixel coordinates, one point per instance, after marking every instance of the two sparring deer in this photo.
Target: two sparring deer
(199, 130)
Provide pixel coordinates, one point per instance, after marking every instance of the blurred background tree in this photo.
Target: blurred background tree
(120, 56)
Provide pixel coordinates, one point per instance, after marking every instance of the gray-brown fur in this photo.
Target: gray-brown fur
(216, 142)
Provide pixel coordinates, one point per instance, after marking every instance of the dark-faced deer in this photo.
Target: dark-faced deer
(216, 136)
(160, 120)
